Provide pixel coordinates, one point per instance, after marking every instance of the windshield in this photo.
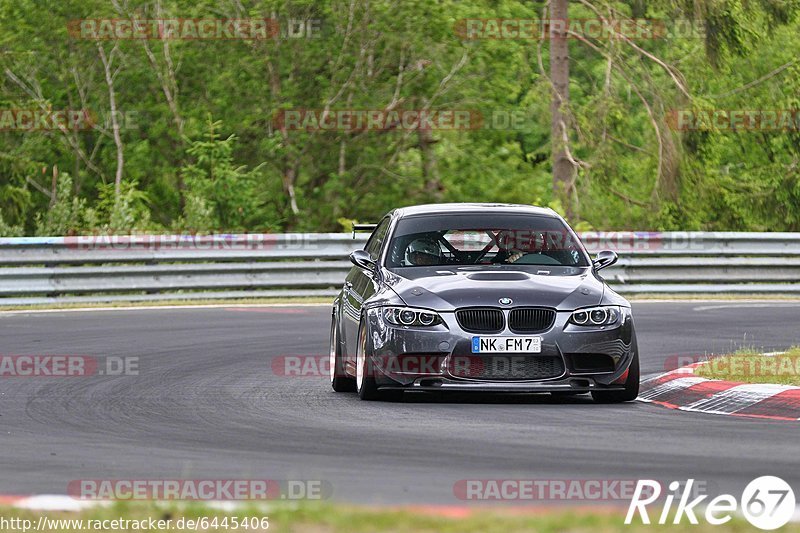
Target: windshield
(439, 240)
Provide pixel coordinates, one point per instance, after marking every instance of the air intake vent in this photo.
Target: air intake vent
(508, 368)
(531, 319)
(480, 320)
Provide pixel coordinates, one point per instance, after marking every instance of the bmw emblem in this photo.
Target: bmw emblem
(505, 301)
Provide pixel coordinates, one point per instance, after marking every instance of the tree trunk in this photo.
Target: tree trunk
(430, 169)
(563, 169)
(289, 171)
(112, 102)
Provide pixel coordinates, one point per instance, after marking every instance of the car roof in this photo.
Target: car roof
(455, 208)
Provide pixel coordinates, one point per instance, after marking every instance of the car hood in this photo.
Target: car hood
(446, 289)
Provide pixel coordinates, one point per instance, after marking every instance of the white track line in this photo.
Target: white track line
(745, 305)
(56, 502)
(157, 307)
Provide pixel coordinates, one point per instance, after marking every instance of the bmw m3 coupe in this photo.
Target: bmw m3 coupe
(485, 298)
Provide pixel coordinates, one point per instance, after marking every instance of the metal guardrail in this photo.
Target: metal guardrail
(152, 267)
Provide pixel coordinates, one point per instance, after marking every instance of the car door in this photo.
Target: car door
(358, 287)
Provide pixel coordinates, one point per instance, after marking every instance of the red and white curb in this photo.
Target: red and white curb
(681, 389)
(49, 502)
(61, 502)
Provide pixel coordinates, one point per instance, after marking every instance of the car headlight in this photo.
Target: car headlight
(596, 316)
(407, 316)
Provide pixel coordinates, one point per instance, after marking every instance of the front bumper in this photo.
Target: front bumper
(436, 350)
(573, 385)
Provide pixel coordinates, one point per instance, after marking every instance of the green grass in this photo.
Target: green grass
(325, 518)
(750, 366)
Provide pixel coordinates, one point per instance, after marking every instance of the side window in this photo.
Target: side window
(375, 241)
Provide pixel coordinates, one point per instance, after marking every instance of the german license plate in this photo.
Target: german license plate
(506, 344)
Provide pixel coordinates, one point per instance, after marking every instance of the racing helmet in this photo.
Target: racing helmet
(423, 251)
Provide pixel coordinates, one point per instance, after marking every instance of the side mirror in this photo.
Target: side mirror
(604, 259)
(362, 260)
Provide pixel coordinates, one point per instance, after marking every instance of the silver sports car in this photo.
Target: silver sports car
(480, 297)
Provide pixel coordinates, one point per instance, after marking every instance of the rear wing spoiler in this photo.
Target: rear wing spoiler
(363, 227)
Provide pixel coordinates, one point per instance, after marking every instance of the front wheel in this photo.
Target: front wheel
(631, 387)
(340, 382)
(365, 372)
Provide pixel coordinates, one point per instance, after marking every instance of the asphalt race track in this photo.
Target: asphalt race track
(207, 404)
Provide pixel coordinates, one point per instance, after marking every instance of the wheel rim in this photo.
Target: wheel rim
(332, 355)
(360, 359)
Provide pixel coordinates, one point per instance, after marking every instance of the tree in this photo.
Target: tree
(563, 166)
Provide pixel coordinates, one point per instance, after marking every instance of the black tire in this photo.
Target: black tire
(631, 386)
(340, 382)
(366, 387)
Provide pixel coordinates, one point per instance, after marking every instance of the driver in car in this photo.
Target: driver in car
(511, 249)
(424, 252)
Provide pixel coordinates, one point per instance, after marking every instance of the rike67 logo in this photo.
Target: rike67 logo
(768, 502)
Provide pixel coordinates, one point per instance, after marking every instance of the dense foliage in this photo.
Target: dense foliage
(185, 137)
